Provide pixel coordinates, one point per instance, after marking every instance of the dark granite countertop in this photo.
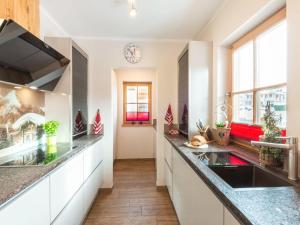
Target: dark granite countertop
(250, 206)
(15, 180)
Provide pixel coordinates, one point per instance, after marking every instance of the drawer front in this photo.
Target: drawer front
(91, 187)
(92, 158)
(64, 183)
(73, 213)
(32, 207)
(229, 219)
(168, 177)
(168, 153)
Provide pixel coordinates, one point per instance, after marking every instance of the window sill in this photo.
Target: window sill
(137, 125)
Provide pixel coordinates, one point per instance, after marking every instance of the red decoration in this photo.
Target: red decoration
(79, 126)
(184, 117)
(169, 116)
(248, 132)
(97, 126)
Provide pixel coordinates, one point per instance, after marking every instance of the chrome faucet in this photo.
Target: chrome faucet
(292, 146)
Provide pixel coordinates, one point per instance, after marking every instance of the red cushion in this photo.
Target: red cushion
(248, 132)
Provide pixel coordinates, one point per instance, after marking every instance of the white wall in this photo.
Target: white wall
(135, 142)
(49, 26)
(106, 55)
(115, 112)
(293, 110)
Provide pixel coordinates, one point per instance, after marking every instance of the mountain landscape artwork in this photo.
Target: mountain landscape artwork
(21, 112)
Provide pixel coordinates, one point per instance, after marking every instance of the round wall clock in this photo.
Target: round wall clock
(132, 53)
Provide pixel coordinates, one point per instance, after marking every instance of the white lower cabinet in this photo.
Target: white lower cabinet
(91, 187)
(31, 208)
(64, 183)
(92, 158)
(229, 219)
(169, 179)
(168, 153)
(194, 203)
(73, 213)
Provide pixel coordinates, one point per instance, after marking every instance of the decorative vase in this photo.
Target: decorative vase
(51, 144)
(51, 140)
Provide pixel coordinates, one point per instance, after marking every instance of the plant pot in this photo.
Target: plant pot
(51, 140)
(51, 144)
(270, 156)
(267, 159)
(222, 136)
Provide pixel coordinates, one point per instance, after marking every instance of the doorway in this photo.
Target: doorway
(135, 109)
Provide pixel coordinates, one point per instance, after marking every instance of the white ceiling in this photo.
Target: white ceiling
(156, 19)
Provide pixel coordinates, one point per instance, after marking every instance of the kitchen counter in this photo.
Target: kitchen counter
(250, 206)
(15, 180)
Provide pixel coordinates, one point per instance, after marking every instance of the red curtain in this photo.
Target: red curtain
(137, 116)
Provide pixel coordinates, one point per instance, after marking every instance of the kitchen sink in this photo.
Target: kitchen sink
(248, 176)
(238, 172)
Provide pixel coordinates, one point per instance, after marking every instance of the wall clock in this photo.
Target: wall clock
(132, 53)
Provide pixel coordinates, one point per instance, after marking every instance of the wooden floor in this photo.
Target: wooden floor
(134, 199)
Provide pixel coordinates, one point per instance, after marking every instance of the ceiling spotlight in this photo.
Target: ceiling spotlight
(132, 11)
(33, 87)
(18, 87)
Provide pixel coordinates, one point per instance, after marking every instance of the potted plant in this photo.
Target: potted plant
(50, 129)
(270, 156)
(222, 133)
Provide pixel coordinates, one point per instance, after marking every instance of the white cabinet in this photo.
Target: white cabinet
(229, 219)
(193, 201)
(169, 180)
(64, 183)
(32, 207)
(73, 213)
(92, 186)
(168, 153)
(92, 158)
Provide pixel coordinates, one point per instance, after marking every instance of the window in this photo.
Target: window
(259, 64)
(137, 103)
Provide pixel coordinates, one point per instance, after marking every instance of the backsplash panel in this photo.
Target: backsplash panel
(21, 111)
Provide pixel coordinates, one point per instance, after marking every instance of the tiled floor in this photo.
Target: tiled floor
(134, 200)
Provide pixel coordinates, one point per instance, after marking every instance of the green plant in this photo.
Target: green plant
(51, 128)
(271, 132)
(220, 124)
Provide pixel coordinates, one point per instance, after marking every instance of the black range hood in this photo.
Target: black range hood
(26, 60)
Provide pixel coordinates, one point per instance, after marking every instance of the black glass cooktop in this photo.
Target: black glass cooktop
(36, 157)
(220, 159)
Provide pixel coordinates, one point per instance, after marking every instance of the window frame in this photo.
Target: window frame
(253, 35)
(137, 123)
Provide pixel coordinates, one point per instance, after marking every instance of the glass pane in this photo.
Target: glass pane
(272, 56)
(143, 108)
(131, 94)
(143, 94)
(277, 98)
(131, 107)
(243, 108)
(243, 67)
